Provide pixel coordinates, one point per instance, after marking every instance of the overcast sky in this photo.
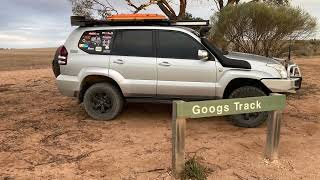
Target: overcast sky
(45, 23)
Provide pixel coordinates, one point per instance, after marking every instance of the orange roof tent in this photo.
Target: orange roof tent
(134, 19)
(137, 17)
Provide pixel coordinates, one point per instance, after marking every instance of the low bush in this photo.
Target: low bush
(260, 28)
(194, 170)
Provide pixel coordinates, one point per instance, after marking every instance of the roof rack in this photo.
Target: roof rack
(134, 19)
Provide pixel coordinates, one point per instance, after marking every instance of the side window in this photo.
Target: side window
(134, 43)
(177, 45)
(96, 42)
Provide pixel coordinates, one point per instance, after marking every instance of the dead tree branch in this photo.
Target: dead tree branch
(142, 6)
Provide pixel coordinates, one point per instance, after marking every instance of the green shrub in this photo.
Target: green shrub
(194, 170)
(261, 28)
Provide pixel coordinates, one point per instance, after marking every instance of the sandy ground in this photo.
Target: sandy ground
(44, 135)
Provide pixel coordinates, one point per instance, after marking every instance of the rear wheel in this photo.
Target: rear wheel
(103, 101)
(248, 120)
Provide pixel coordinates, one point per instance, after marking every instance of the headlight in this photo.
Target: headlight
(280, 68)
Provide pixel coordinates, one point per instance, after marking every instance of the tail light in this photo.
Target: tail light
(63, 56)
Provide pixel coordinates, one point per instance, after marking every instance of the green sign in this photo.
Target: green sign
(198, 109)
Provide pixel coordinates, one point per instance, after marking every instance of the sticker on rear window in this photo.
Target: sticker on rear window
(96, 42)
(99, 49)
(108, 33)
(84, 45)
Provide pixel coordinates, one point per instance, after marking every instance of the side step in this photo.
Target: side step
(148, 100)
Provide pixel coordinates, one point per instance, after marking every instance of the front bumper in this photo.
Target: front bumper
(289, 85)
(283, 85)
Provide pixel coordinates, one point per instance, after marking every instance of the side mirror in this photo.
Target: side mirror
(203, 55)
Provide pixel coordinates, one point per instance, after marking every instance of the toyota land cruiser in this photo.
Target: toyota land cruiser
(106, 63)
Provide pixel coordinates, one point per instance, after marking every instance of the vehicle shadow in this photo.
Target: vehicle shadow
(151, 113)
(147, 110)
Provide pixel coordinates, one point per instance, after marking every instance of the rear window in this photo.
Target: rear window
(96, 42)
(134, 43)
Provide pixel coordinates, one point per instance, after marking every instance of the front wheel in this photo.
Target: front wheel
(249, 120)
(103, 101)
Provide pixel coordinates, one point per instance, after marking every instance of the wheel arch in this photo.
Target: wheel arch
(240, 82)
(90, 80)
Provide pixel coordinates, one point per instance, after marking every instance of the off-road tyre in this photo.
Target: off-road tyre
(103, 101)
(249, 120)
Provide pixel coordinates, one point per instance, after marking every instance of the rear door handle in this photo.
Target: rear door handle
(164, 64)
(118, 61)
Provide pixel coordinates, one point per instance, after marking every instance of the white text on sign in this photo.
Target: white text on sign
(220, 109)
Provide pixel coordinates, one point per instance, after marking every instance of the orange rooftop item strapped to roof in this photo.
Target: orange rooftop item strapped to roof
(136, 17)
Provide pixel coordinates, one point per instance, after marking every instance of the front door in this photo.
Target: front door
(181, 74)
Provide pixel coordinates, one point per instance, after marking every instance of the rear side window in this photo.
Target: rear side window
(177, 45)
(134, 43)
(96, 42)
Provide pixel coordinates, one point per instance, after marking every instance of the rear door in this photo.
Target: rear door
(181, 73)
(133, 57)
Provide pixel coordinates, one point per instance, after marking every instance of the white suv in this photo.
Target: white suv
(105, 65)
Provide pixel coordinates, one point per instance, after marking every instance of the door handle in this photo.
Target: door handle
(164, 64)
(118, 61)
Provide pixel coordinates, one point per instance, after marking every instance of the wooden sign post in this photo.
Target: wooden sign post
(273, 134)
(198, 109)
(178, 142)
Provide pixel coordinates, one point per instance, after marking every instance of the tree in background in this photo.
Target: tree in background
(220, 4)
(103, 8)
(276, 2)
(92, 8)
(164, 5)
(190, 17)
(260, 28)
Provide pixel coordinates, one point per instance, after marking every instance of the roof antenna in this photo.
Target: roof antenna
(289, 56)
(290, 49)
